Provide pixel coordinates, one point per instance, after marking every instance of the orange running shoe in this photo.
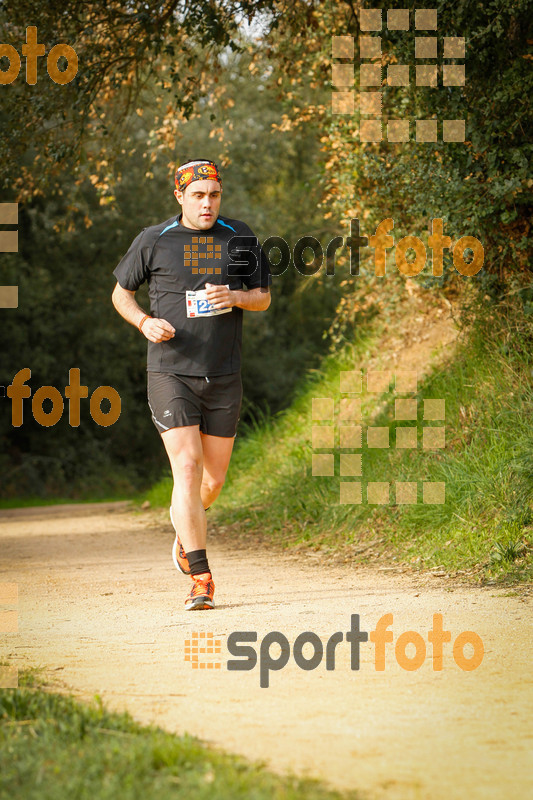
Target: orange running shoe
(202, 592)
(179, 556)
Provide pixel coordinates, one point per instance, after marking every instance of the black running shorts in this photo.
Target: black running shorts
(212, 403)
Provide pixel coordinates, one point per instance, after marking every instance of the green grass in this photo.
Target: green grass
(485, 526)
(160, 493)
(54, 747)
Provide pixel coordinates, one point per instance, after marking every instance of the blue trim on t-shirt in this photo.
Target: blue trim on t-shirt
(174, 225)
(225, 224)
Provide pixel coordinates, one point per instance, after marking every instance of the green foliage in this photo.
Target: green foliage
(121, 47)
(481, 187)
(66, 320)
(509, 551)
(70, 241)
(485, 523)
(240, 97)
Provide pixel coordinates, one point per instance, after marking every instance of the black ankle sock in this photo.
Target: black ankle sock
(198, 562)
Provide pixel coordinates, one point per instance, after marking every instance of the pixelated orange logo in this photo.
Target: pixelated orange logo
(202, 247)
(200, 650)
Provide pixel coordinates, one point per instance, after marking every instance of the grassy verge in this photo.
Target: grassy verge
(52, 746)
(484, 529)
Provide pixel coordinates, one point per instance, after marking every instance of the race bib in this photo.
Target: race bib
(199, 306)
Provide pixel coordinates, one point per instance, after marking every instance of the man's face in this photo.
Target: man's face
(200, 203)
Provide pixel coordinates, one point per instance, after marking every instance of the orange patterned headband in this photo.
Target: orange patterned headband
(196, 171)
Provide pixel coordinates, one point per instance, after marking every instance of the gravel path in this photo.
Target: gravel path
(100, 607)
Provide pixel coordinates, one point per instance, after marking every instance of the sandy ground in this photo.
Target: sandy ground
(100, 607)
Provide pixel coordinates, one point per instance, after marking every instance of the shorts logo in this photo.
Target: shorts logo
(167, 413)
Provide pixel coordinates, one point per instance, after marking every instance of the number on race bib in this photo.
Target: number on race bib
(198, 305)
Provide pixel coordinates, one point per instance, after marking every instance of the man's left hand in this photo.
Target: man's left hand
(219, 295)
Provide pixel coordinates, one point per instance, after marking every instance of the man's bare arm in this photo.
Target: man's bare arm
(254, 299)
(156, 330)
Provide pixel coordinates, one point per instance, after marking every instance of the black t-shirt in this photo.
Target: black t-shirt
(174, 259)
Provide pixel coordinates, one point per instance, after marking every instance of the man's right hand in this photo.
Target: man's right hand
(157, 330)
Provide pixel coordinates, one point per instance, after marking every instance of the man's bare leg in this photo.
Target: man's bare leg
(217, 453)
(182, 448)
(185, 453)
(199, 464)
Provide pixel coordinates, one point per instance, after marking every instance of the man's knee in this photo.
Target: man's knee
(213, 483)
(187, 469)
(184, 450)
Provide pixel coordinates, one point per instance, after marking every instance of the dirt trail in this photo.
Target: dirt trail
(100, 606)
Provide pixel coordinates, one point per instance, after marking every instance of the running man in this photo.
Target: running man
(195, 264)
